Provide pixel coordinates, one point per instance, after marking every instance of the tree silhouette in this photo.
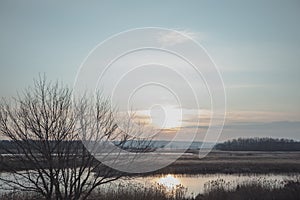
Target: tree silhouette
(44, 128)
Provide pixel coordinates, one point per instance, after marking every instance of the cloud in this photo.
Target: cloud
(178, 37)
(254, 125)
(275, 125)
(239, 123)
(275, 129)
(243, 86)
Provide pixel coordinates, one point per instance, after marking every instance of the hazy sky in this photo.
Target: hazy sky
(255, 44)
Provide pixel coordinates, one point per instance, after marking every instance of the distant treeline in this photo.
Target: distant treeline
(259, 144)
(35, 146)
(7, 146)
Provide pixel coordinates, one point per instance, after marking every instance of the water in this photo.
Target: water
(195, 184)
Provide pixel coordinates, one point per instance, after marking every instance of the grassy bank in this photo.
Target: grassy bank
(231, 162)
(227, 162)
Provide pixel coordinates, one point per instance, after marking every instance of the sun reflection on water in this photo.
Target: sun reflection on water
(169, 181)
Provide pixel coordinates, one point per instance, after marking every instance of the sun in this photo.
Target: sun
(166, 117)
(161, 117)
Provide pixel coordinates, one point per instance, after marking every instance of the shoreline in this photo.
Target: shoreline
(222, 162)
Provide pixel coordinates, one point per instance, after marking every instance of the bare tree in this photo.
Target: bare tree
(45, 128)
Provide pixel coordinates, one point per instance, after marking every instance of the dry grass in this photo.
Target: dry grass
(215, 190)
(252, 191)
(227, 162)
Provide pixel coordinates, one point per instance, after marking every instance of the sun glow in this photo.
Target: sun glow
(169, 181)
(173, 117)
(163, 117)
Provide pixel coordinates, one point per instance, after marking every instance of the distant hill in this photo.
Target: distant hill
(259, 144)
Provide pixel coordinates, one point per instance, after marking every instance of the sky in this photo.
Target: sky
(255, 44)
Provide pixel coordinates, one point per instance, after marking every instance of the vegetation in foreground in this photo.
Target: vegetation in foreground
(214, 190)
(266, 190)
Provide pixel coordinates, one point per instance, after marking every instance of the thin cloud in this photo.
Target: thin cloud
(242, 86)
(173, 38)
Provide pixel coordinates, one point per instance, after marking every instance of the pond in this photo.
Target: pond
(196, 184)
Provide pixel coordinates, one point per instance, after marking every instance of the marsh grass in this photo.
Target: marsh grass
(252, 190)
(138, 192)
(214, 190)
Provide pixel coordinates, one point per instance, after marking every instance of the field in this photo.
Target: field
(236, 162)
(220, 162)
